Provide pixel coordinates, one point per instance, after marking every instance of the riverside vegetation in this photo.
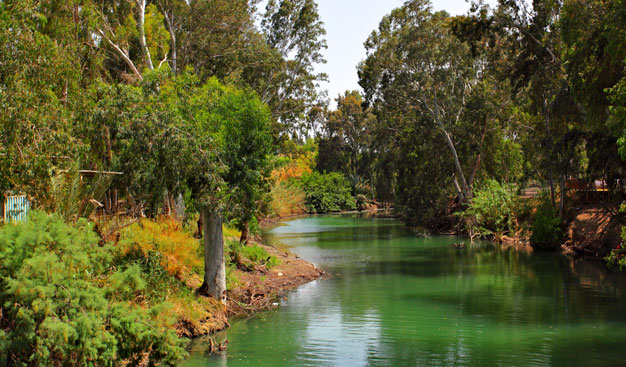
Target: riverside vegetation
(128, 121)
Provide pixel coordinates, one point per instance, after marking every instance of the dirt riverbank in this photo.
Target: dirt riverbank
(255, 290)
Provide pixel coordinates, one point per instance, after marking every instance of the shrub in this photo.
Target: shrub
(247, 256)
(327, 193)
(258, 254)
(63, 306)
(617, 257)
(493, 209)
(546, 228)
(287, 199)
(178, 252)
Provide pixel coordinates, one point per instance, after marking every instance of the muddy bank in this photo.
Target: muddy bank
(260, 289)
(255, 290)
(593, 231)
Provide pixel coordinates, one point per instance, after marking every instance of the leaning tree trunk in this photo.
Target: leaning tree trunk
(214, 268)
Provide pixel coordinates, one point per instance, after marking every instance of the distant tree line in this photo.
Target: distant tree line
(514, 93)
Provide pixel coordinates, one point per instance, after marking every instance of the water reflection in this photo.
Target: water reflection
(399, 300)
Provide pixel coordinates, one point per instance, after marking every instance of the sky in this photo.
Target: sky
(348, 23)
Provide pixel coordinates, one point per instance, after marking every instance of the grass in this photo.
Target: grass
(173, 260)
(287, 200)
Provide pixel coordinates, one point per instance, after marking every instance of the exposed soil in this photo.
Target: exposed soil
(593, 232)
(261, 288)
(257, 290)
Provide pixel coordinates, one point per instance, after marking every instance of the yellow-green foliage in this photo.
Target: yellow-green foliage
(231, 233)
(181, 252)
(493, 209)
(287, 199)
(171, 263)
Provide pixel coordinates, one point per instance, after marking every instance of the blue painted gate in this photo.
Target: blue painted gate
(16, 209)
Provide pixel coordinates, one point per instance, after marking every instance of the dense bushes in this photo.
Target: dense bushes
(617, 256)
(327, 193)
(546, 228)
(64, 302)
(493, 209)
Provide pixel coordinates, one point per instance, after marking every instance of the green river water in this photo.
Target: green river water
(396, 299)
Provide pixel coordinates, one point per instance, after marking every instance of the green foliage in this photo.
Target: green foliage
(546, 228)
(327, 193)
(346, 137)
(62, 305)
(35, 126)
(594, 36)
(74, 198)
(258, 254)
(287, 82)
(239, 255)
(247, 144)
(617, 257)
(494, 209)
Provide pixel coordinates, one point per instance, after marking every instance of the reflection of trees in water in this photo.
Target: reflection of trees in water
(437, 304)
(543, 288)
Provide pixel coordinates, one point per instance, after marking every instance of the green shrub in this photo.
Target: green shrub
(546, 228)
(327, 193)
(62, 304)
(258, 254)
(493, 209)
(248, 256)
(617, 257)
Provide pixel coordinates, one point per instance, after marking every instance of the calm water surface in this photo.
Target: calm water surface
(400, 300)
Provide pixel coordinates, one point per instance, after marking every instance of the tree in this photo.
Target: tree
(36, 77)
(416, 64)
(347, 129)
(247, 147)
(594, 36)
(294, 32)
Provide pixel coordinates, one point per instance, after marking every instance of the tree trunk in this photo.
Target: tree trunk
(551, 182)
(467, 193)
(562, 203)
(459, 192)
(142, 33)
(214, 267)
(123, 53)
(169, 20)
(245, 233)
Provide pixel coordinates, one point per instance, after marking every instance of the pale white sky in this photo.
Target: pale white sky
(348, 23)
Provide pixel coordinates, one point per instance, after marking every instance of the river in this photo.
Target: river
(396, 299)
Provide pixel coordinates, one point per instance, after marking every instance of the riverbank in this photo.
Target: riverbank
(586, 230)
(254, 290)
